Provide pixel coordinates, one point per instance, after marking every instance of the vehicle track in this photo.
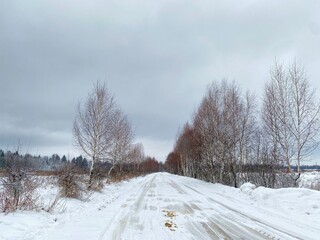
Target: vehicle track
(128, 214)
(239, 217)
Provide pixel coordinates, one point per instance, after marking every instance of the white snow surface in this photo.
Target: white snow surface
(247, 188)
(139, 209)
(310, 180)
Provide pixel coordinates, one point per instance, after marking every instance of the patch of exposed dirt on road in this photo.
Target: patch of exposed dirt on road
(170, 214)
(169, 223)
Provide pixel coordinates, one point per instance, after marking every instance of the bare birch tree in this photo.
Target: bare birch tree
(225, 124)
(136, 155)
(277, 100)
(304, 113)
(93, 125)
(270, 130)
(187, 147)
(121, 137)
(248, 141)
(290, 114)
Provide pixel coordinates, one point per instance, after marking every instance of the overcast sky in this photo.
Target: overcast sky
(157, 58)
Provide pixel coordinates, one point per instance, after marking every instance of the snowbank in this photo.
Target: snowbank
(291, 201)
(247, 188)
(310, 180)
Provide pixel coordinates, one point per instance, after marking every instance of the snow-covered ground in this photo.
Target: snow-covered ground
(165, 206)
(310, 180)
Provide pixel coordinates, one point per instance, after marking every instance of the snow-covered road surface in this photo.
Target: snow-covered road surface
(165, 206)
(201, 213)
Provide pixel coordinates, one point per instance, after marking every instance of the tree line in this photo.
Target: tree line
(231, 139)
(43, 163)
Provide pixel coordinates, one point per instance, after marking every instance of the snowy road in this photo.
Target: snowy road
(201, 213)
(165, 206)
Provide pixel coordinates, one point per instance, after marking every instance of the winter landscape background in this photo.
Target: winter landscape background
(159, 120)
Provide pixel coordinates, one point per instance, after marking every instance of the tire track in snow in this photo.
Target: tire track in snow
(245, 222)
(128, 214)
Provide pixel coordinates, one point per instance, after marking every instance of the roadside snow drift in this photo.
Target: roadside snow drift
(165, 206)
(310, 180)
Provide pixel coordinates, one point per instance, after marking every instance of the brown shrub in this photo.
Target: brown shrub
(122, 176)
(69, 181)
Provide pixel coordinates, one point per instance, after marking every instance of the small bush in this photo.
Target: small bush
(57, 204)
(18, 185)
(98, 177)
(69, 181)
(119, 175)
(21, 197)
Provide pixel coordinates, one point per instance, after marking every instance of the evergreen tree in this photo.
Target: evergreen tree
(2, 159)
(64, 159)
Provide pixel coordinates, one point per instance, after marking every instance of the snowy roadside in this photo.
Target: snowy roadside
(36, 224)
(310, 180)
(293, 210)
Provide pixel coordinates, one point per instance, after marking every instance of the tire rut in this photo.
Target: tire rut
(123, 216)
(258, 230)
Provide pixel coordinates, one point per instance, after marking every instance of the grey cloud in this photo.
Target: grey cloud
(157, 57)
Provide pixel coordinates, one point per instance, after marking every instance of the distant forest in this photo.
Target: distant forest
(44, 163)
